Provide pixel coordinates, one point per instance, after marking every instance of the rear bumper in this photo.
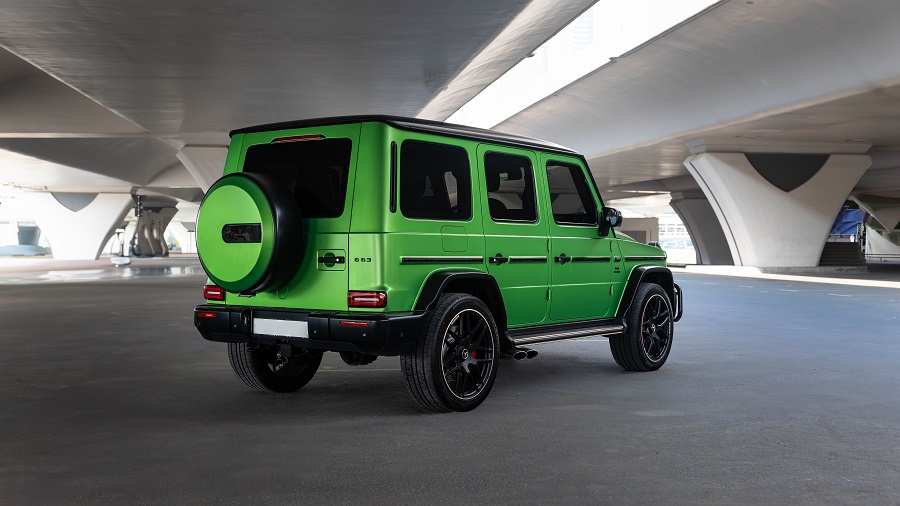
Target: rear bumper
(370, 333)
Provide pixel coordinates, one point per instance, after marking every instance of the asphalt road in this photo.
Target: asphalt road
(774, 393)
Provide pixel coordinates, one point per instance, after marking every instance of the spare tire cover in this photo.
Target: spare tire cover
(249, 233)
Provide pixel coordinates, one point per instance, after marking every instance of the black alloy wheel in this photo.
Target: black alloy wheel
(467, 354)
(454, 364)
(647, 340)
(656, 328)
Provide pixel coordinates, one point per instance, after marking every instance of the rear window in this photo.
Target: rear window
(315, 171)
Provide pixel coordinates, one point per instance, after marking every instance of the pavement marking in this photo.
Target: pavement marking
(753, 272)
(840, 295)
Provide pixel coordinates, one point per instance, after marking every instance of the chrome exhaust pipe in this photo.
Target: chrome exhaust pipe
(520, 354)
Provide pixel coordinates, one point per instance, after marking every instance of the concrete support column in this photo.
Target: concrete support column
(148, 231)
(881, 242)
(185, 233)
(703, 226)
(885, 209)
(776, 209)
(77, 225)
(882, 234)
(205, 163)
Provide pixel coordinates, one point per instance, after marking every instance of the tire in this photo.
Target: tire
(249, 233)
(447, 371)
(646, 342)
(262, 369)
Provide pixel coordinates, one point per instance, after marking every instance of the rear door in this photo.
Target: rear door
(318, 165)
(515, 234)
(435, 225)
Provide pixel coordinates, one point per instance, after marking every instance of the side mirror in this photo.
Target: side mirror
(609, 218)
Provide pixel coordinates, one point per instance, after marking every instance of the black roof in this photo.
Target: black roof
(417, 125)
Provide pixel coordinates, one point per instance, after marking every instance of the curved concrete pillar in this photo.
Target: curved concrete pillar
(777, 210)
(885, 209)
(703, 226)
(148, 232)
(77, 225)
(205, 163)
(881, 242)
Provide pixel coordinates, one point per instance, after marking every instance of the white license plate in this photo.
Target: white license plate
(280, 328)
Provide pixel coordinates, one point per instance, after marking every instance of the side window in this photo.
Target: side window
(435, 182)
(570, 195)
(510, 186)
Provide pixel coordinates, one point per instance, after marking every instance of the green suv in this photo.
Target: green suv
(449, 246)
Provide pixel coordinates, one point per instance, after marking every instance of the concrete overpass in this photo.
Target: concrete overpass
(105, 103)
(808, 89)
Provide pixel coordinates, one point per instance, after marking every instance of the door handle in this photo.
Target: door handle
(498, 259)
(562, 258)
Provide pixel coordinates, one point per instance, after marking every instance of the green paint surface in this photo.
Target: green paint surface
(374, 239)
(234, 266)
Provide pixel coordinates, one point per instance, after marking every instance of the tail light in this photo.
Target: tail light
(213, 292)
(295, 138)
(351, 323)
(366, 299)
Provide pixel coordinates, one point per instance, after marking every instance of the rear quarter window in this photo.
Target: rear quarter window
(435, 181)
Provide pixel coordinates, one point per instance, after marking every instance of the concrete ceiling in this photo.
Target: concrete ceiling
(750, 74)
(125, 96)
(117, 89)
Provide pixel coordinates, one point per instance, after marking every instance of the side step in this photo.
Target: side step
(561, 333)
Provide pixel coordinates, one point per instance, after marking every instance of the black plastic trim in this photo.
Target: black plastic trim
(437, 283)
(590, 259)
(635, 259)
(679, 304)
(332, 260)
(393, 177)
(417, 125)
(636, 278)
(528, 259)
(242, 233)
(439, 260)
(387, 333)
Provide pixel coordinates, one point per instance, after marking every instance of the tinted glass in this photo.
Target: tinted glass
(570, 195)
(434, 181)
(510, 186)
(314, 171)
